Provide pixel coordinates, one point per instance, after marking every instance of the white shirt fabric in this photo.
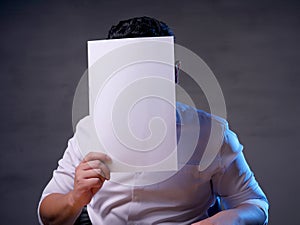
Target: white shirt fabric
(184, 198)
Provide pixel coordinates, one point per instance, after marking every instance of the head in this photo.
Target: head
(141, 27)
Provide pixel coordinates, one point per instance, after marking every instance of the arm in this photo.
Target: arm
(64, 208)
(59, 208)
(242, 198)
(242, 215)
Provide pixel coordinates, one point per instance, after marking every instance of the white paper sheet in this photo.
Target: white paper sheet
(131, 104)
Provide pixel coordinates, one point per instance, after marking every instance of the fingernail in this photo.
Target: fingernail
(108, 158)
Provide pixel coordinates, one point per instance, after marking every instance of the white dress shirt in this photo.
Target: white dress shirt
(183, 198)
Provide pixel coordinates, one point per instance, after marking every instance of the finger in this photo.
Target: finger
(93, 182)
(98, 166)
(93, 173)
(95, 164)
(97, 156)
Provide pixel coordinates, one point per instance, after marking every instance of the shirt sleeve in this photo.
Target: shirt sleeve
(62, 180)
(236, 184)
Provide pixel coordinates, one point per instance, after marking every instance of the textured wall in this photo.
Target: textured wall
(252, 47)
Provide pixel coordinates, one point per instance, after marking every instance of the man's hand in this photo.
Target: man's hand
(90, 175)
(245, 214)
(204, 222)
(226, 217)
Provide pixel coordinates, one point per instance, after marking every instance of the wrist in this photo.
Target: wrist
(229, 216)
(73, 203)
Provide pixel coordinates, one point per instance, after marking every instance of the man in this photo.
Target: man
(184, 198)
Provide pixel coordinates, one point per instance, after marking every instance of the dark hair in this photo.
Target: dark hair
(139, 27)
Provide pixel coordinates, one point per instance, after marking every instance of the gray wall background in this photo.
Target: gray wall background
(252, 47)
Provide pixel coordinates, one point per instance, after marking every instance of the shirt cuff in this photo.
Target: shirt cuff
(262, 204)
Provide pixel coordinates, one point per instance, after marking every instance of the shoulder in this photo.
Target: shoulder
(187, 114)
(212, 130)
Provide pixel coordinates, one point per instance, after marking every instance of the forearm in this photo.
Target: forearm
(59, 209)
(90, 174)
(245, 214)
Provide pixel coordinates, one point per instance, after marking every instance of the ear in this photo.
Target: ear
(177, 69)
